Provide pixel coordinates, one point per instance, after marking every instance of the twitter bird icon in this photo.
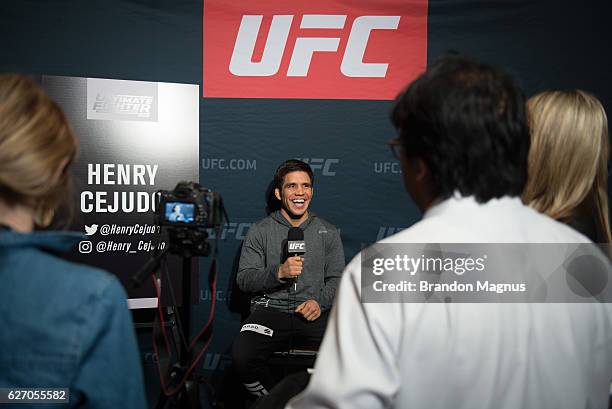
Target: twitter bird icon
(91, 230)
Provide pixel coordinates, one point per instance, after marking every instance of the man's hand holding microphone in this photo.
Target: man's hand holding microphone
(292, 268)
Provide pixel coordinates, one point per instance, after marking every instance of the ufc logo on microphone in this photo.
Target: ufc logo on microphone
(297, 246)
(266, 49)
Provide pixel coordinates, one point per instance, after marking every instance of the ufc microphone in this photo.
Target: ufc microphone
(295, 242)
(295, 247)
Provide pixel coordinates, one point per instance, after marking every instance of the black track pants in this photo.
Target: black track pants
(266, 331)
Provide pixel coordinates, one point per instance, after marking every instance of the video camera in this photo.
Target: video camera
(186, 213)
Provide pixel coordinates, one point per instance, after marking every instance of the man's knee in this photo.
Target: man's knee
(248, 352)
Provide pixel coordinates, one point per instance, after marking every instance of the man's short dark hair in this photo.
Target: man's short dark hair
(288, 166)
(467, 121)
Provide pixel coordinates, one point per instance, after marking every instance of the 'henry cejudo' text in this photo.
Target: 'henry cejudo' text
(121, 175)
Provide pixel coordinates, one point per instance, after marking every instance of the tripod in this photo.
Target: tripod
(187, 392)
(180, 385)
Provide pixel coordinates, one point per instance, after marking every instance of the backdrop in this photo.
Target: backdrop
(315, 92)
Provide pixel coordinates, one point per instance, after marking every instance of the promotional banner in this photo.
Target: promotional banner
(135, 138)
(330, 50)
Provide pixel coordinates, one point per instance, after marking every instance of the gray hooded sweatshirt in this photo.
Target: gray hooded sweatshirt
(265, 249)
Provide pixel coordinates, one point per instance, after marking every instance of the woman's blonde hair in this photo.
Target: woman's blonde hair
(568, 158)
(36, 144)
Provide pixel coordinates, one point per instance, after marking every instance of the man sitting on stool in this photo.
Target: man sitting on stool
(292, 294)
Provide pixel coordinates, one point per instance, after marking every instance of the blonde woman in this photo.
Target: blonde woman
(568, 160)
(62, 325)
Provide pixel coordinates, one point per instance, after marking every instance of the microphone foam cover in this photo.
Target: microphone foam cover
(295, 234)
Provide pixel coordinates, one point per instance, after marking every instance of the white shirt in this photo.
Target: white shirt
(510, 355)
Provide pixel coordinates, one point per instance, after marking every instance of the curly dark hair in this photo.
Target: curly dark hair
(288, 166)
(467, 121)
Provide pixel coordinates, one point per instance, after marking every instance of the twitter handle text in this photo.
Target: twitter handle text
(112, 229)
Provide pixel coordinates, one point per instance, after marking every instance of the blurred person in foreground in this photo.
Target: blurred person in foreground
(463, 145)
(568, 161)
(62, 325)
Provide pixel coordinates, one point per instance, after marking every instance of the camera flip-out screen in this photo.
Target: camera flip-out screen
(177, 212)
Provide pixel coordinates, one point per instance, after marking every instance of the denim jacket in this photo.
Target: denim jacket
(65, 325)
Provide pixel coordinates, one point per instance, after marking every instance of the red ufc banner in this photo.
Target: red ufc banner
(333, 49)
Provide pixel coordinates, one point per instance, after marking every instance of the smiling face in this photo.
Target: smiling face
(295, 196)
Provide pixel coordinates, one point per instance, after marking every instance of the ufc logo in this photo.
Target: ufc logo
(297, 246)
(387, 167)
(150, 357)
(358, 49)
(213, 362)
(238, 229)
(324, 165)
(352, 65)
